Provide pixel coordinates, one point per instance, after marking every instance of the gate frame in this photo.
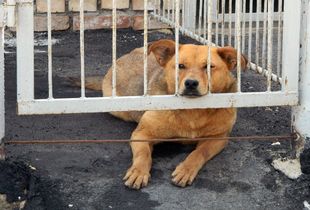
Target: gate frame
(301, 113)
(28, 105)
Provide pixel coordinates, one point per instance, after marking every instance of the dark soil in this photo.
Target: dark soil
(305, 161)
(90, 176)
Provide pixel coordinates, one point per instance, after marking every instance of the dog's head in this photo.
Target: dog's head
(193, 63)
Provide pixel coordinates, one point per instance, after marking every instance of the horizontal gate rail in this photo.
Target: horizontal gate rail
(247, 17)
(129, 103)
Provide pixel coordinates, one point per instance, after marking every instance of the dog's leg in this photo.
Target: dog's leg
(151, 126)
(138, 174)
(185, 172)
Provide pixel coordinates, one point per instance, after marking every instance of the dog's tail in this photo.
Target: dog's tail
(91, 83)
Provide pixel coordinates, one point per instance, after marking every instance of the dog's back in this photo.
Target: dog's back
(130, 80)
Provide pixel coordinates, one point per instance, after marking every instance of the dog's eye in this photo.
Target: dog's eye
(211, 66)
(181, 66)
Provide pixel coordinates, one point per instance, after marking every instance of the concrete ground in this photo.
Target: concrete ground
(89, 176)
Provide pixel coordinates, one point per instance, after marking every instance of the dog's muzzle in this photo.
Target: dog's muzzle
(191, 88)
(191, 84)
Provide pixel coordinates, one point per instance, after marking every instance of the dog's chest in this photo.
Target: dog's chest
(195, 124)
(190, 124)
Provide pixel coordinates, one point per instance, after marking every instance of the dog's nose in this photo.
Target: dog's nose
(191, 84)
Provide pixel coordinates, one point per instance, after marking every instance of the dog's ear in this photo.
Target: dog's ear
(163, 50)
(229, 55)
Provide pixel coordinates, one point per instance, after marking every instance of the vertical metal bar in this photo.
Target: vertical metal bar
(270, 43)
(25, 52)
(145, 46)
(114, 48)
(205, 20)
(157, 6)
(183, 13)
(177, 28)
(250, 32)
(209, 44)
(230, 22)
(200, 18)
(291, 34)
(2, 15)
(168, 9)
(10, 17)
(264, 34)
(190, 14)
(223, 22)
(238, 44)
(279, 37)
(243, 24)
(257, 37)
(173, 11)
(82, 48)
(2, 98)
(50, 54)
(162, 10)
(217, 24)
(165, 10)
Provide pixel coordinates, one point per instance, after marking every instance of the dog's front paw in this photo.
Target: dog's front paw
(184, 175)
(136, 177)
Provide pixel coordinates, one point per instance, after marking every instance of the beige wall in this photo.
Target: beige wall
(97, 14)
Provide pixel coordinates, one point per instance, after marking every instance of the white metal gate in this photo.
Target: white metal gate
(206, 32)
(292, 58)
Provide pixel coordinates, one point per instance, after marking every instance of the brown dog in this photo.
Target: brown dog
(194, 123)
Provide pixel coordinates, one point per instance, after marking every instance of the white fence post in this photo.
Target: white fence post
(25, 51)
(301, 113)
(2, 114)
(291, 43)
(190, 7)
(2, 123)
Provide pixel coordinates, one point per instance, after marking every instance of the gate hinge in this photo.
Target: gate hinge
(7, 13)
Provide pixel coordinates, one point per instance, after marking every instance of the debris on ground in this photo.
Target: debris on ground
(290, 167)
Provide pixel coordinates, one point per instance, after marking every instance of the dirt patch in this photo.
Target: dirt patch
(305, 161)
(19, 183)
(14, 180)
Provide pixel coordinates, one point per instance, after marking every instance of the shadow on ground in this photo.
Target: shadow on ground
(90, 176)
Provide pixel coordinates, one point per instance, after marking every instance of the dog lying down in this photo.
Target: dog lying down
(192, 123)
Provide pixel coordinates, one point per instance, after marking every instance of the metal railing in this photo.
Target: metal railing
(211, 27)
